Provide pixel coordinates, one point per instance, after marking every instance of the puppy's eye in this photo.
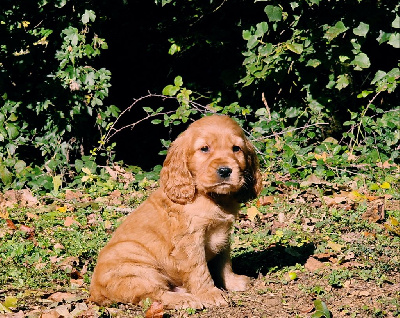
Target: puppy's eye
(236, 149)
(205, 149)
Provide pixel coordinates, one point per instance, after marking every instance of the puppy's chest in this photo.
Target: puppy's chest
(217, 238)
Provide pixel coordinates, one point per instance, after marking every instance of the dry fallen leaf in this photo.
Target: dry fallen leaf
(72, 194)
(59, 296)
(11, 224)
(265, 200)
(58, 246)
(31, 215)
(252, 213)
(312, 264)
(69, 220)
(335, 246)
(156, 310)
(375, 211)
(50, 314)
(323, 256)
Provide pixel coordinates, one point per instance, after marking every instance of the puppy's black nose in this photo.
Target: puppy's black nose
(224, 172)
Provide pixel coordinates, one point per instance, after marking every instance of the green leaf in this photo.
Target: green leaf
(394, 40)
(178, 81)
(335, 30)
(361, 61)
(89, 15)
(342, 81)
(170, 90)
(72, 34)
(19, 166)
(57, 182)
(246, 34)
(396, 22)
(383, 37)
(252, 42)
(5, 175)
(78, 165)
(12, 131)
(148, 110)
(89, 50)
(364, 94)
(378, 76)
(173, 49)
(13, 117)
(274, 13)
(292, 112)
(361, 30)
(321, 310)
(313, 63)
(295, 47)
(266, 49)
(374, 186)
(261, 28)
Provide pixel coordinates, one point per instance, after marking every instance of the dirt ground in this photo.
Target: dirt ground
(268, 297)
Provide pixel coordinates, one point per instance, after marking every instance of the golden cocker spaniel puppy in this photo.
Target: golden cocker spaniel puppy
(175, 247)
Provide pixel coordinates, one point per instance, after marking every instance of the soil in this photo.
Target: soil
(268, 296)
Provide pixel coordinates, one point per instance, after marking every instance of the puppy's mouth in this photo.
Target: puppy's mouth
(223, 187)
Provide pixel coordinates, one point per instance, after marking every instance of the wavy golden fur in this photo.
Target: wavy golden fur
(175, 247)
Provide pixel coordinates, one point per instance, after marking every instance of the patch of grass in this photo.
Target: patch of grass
(54, 245)
(45, 251)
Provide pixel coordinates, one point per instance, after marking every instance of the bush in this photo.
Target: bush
(50, 88)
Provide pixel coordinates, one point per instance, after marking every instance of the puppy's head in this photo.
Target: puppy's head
(212, 156)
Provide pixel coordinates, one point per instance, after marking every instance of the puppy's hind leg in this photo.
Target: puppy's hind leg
(128, 283)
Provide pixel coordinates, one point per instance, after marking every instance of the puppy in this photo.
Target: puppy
(168, 247)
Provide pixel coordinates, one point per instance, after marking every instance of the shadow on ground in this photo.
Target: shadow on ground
(278, 256)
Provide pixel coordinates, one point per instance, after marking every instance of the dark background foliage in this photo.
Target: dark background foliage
(68, 68)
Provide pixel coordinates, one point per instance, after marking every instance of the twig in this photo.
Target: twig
(286, 131)
(112, 130)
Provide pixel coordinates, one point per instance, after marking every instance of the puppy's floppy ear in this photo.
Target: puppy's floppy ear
(253, 180)
(176, 179)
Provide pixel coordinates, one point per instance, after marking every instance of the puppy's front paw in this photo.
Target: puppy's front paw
(237, 282)
(213, 297)
(180, 300)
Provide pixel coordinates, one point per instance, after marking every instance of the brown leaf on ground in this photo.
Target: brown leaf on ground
(72, 195)
(50, 314)
(21, 198)
(60, 296)
(77, 282)
(352, 264)
(11, 225)
(277, 225)
(156, 310)
(31, 215)
(392, 204)
(265, 200)
(252, 213)
(323, 256)
(69, 220)
(312, 264)
(375, 211)
(115, 194)
(313, 179)
(19, 314)
(119, 173)
(26, 229)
